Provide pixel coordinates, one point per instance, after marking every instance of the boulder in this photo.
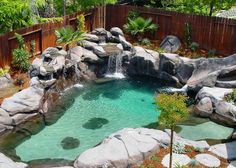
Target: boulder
(179, 159)
(21, 117)
(99, 32)
(121, 149)
(126, 45)
(204, 107)
(52, 52)
(87, 44)
(225, 150)
(170, 44)
(5, 118)
(26, 101)
(208, 160)
(6, 162)
(98, 50)
(116, 31)
(34, 69)
(5, 81)
(89, 56)
(76, 54)
(91, 37)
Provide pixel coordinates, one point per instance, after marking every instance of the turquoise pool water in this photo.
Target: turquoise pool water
(99, 110)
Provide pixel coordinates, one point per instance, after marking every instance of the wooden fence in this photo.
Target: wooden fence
(210, 32)
(43, 34)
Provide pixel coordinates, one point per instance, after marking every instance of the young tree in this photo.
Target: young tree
(173, 111)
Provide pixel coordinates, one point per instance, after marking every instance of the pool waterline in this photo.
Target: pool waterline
(97, 111)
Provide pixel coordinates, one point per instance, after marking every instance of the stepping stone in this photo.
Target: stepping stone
(225, 150)
(179, 159)
(208, 160)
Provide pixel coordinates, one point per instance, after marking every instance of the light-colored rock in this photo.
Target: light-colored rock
(87, 44)
(76, 54)
(234, 135)
(225, 150)
(126, 45)
(5, 81)
(204, 107)
(170, 44)
(58, 63)
(52, 52)
(99, 32)
(121, 149)
(89, 56)
(91, 37)
(179, 159)
(6, 162)
(208, 160)
(20, 118)
(98, 50)
(232, 164)
(27, 100)
(116, 31)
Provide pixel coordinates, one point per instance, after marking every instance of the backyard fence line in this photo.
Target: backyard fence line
(210, 32)
(44, 34)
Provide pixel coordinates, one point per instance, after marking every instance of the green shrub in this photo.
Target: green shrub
(4, 71)
(188, 33)
(133, 14)
(145, 41)
(32, 47)
(159, 50)
(155, 158)
(81, 23)
(211, 53)
(194, 46)
(21, 55)
(139, 26)
(231, 97)
(179, 148)
(46, 20)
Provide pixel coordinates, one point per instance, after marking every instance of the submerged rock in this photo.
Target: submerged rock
(95, 123)
(70, 143)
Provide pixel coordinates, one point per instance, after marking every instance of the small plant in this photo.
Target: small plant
(145, 41)
(194, 46)
(193, 163)
(139, 26)
(46, 20)
(133, 14)
(159, 50)
(177, 165)
(198, 149)
(231, 97)
(211, 53)
(155, 158)
(81, 23)
(32, 47)
(4, 71)
(21, 55)
(188, 33)
(179, 148)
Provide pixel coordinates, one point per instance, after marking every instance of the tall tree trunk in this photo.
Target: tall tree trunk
(171, 145)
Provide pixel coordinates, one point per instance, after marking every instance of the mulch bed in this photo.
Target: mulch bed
(155, 160)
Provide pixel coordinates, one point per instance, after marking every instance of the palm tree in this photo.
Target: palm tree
(139, 26)
(68, 36)
(173, 111)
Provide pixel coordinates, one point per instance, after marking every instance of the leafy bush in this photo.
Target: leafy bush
(155, 158)
(231, 97)
(159, 50)
(179, 148)
(67, 36)
(21, 55)
(32, 47)
(188, 33)
(145, 41)
(4, 71)
(194, 46)
(139, 26)
(45, 20)
(81, 23)
(133, 14)
(211, 53)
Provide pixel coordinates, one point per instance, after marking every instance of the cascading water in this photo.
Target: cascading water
(181, 90)
(114, 68)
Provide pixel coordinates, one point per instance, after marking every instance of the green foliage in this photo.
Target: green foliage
(45, 20)
(173, 109)
(21, 55)
(81, 23)
(32, 47)
(139, 26)
(159, 50)
(145, 41)
(231, 97)
(194, 46)
(211, 53)
(4, 71)
(133, 14)
(179, 148)
(193, 163)
(177, 165)
(67, 36)
(188, 33)
(155, 158)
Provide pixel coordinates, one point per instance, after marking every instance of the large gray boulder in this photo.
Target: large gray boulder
(116, 31)
(26, 101)
(87, 44)
(208, 160)
(210, 103)
(91, 37)
(126, 45)
(76, 54)
(5, 118)
(5, 81)
(225, 150)
(6, 162)
(52, 52)
(89, 56)
(170, 44)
